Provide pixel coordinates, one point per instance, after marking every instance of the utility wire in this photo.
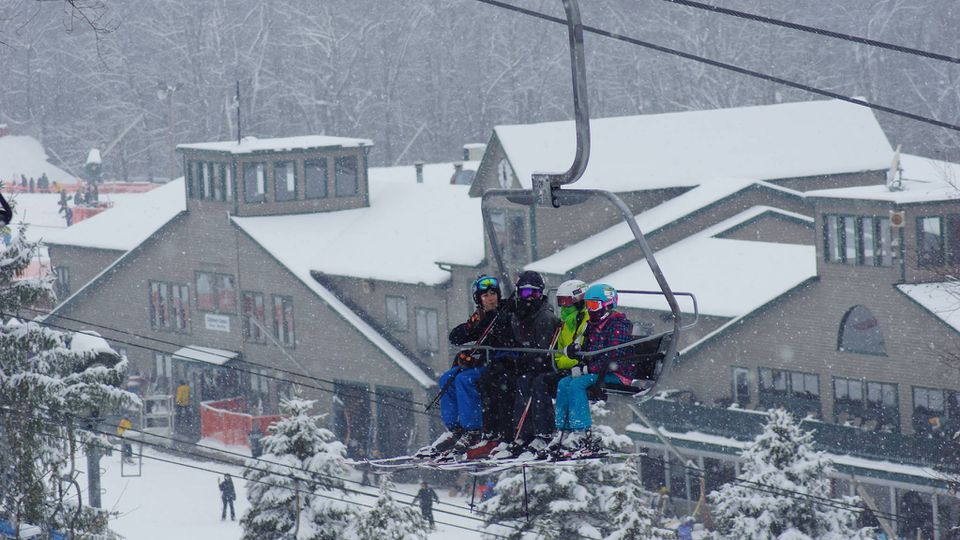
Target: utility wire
(728, 67)
(216, 354)
(223, 462)
(818, 31)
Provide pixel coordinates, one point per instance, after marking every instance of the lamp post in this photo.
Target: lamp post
(165, 93)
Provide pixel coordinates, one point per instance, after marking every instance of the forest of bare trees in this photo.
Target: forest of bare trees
(423, 77)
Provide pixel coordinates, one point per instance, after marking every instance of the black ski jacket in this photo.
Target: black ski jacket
(534, 330)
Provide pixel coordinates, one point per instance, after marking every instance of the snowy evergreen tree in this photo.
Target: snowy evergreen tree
(782, 457)
(305, 474)
(390, 520)
(45, 384)
(600, 499)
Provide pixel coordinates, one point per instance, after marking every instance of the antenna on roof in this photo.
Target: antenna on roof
(895, 174)
(236, 103)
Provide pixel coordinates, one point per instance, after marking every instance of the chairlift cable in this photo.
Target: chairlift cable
(729, 67)
(818, 31)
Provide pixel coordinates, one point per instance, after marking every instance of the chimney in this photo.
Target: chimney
(473, 151)
(419, 167)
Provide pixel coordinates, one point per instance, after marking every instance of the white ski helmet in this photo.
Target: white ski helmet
(571, 292)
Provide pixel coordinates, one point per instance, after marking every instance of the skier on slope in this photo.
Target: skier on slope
(539, 423)
(461, 406)
(606, 327)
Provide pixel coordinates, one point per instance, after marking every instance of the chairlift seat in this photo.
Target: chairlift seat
(648, 356)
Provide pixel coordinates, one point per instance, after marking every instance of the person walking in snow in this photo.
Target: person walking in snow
(227, 495)
(534, 326)
(461, 406)
(606, 327)
(427, 496)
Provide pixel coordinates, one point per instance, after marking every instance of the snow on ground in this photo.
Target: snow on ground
(172, 500)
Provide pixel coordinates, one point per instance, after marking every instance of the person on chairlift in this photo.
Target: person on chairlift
(535, 414)
(606, 327)
(461, 406)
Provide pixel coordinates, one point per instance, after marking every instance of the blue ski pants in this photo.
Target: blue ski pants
(573, 407)
(460, 405)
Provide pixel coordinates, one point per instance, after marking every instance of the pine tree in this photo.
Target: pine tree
(600, 499)
(305, 474)
(389, 520)
(44, 386)
(782, 462)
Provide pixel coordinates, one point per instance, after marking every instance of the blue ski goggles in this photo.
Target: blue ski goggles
(486, 283)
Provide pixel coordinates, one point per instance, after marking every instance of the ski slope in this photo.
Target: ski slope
(173, 500)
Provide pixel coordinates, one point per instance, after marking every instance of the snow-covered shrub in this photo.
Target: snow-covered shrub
(306, 474)
(783, 492)
(390, 520)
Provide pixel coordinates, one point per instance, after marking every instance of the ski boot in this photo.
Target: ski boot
(444, 443)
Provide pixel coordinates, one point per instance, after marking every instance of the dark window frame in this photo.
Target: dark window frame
(881, 253)
(287, 195)
(254, 196)
(434, 343)
(173, 314)
(284, 329)
(865, 407)
(216, 285)
(842, 333)
(396, 321)
(735, 396)
(337, 168)
(252, 333)
(940, 255)
(315, 164)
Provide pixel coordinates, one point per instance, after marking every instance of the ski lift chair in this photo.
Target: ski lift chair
(655, 353)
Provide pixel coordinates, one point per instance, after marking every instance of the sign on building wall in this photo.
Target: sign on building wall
(219, 323)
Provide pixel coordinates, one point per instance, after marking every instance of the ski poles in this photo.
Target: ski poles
(6, 213)
(446, 386)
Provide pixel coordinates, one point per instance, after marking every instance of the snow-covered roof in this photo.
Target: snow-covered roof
(407, 229)
(924, 180)
(24, 155)
(434, 174)
(942, 299)
(126, 225)
(766, 142)
(649, 221)
(250, 145)
(729, 277)
(205, 355)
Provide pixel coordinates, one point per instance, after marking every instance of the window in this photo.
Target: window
(930, 246)
(510, 231)
(869, 404)
(225, 185)
(427, 336)
(315, 174)
(191, 176)
(162, 371)
(346, 176)
(254, 182)
(953, 240)
(283, 320)
(169, 306)
(860, 333)
(796, 391)
(254, 316)
(216, 292)
(285, 180)
(206, 179)
(741, 386)
(396, 312)
(859, 240)
(61, 284)
(928, 400)
(932, 407)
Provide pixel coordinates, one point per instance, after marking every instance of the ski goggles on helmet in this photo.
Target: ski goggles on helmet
(530, 293)
(594, 305)
(486, 283)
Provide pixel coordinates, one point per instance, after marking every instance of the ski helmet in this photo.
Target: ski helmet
(530, 286)
(601, 296)
(483, 284)
(571, 292)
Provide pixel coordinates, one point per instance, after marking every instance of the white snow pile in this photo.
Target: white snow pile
(22, 154)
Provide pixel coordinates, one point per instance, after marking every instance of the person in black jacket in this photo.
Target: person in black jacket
(533, 326)
(427, 497)
(227, 496)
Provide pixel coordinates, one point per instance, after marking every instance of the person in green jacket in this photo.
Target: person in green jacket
(538, 415)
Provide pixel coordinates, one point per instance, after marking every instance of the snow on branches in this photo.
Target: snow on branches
(783, 492)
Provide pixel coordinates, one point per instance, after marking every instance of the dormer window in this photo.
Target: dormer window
(858, 240)
(936, 244)
(315, 178)
(285, 180)
(254, 182)
(346, 176)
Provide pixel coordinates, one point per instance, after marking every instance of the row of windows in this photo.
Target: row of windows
(253, 317)
(858, 240)
(938, 240)
(428, 338)
(207, 180)
(286, 179)
(169, 306)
